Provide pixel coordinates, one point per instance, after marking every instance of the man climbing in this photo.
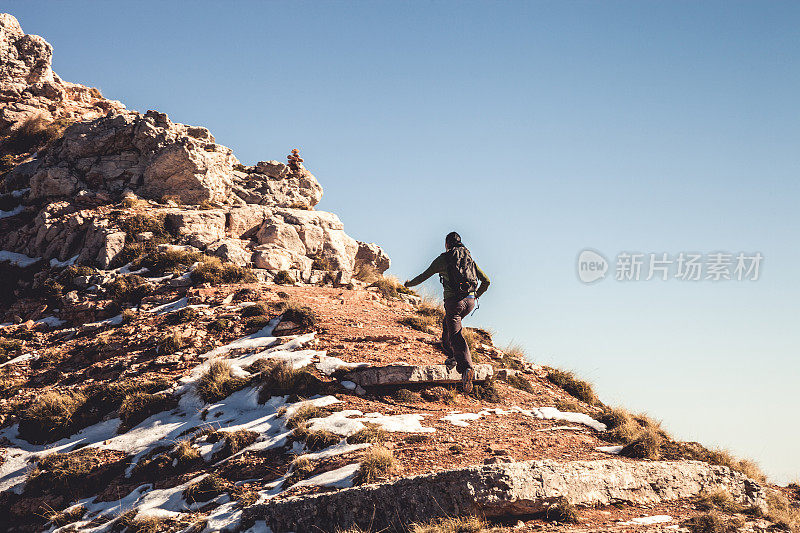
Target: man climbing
(459, 275)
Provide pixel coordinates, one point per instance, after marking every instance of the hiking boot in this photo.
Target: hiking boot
(450, 363)
(466, 380)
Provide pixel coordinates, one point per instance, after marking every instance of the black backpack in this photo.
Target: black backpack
(462, 276)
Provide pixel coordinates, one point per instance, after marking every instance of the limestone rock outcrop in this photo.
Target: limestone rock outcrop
(506, 489)
(62, 198)
(29, 87)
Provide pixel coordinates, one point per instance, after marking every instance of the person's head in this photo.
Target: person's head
(452, 240)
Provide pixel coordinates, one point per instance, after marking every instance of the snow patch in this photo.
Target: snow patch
(613, 450)
(547, 413)
(328, 365)
(322, 401)
(648, 520)
(113, 321)
(259, 527)
(19, 260)
(69, 262)
(17, 359)
(169, 307)
(14, 212)
(51, 321)
(342, 422)
(341, 478)
(259, 339)
(337, 449)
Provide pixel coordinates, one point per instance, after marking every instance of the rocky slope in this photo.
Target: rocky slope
(187, 345)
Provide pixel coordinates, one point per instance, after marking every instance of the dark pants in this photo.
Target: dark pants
(453, 342)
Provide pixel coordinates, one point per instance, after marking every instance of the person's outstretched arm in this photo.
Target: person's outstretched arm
(484, 279)
(435, 268)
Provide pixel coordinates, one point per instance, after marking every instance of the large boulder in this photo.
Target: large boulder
(232, 251)
(315, 234)
(147, 154)
(199, 227)
(272, 184)
(370, 254)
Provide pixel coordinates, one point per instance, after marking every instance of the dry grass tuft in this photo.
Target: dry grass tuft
(561, 511)
(67, 516)
(432, 308)
(138, 223)
(515, 351)
(390, 287)
(405, 395)
(280, 379)
(378, 463)
(419, 323)
(166, 262)
(212, 270)
(578, 388)
(283, 278)
(781, 512)
(366, 273)
(300, 314)
(371, 433)
(207, 488)
(718, 499)
(520, 382)
(487, 391)
(712, 522)
(256, 323)
(149, 524)
(439, 394)
(306, 413)
(462, 524)
(139, 405)
(130, 288)
(171, 344)
(471, 337)
(646, 445)
(51, 417)
(33, 135)
(254, 310)
(219, 325)
(218, 382)
(302, 468)
(9, 348)
(315, 440)
(72, 474)
(182, 316)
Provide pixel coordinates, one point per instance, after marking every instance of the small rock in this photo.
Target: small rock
(285, 327)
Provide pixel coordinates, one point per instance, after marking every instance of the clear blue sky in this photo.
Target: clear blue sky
(536, 130)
